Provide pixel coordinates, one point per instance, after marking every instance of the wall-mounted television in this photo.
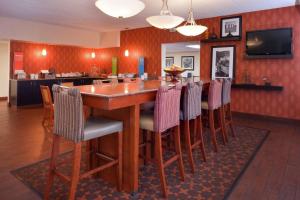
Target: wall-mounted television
(273, 43)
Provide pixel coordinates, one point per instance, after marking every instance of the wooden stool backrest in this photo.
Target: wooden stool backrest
(46, 96)
(67, 84)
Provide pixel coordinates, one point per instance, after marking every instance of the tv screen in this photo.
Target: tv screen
(275, 42)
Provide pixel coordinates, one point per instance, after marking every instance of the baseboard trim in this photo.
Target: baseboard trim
(3, 98)
(265, 117)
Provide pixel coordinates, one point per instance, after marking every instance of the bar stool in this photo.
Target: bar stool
(127, 80)
(69, 123)
(48, 106)
(213, 105)
(165, 117)
(114, 81)
(97, 82)
(192, 111)
(226, 107)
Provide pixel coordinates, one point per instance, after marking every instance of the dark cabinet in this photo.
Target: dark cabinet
(24, 93)
(27, 92)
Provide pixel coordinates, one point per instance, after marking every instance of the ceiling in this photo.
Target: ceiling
(83, 14)
(181, 47)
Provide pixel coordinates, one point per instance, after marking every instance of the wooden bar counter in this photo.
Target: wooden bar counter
(122, 102)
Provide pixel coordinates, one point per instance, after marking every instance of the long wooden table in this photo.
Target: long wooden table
(122, 102)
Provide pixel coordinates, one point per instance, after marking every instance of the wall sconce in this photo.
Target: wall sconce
(126, 53)
(44, 52)
(93, 55)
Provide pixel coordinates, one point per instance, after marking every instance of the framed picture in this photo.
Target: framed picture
(222, 62)
(231, 27)
(169, 61)
(187, 62)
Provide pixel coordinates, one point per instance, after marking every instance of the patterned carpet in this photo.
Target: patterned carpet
(213, 179)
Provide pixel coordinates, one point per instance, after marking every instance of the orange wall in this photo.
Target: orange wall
(62, 58)
(147, 42)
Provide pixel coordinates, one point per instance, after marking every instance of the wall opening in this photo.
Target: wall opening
(184, 54)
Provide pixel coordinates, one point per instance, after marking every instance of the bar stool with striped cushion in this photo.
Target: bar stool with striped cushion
(114, 81)
(127, 80)
(192, 111)
(213, 105)
(165, 117)
(97, 82)
(69, 123)
(226, 106)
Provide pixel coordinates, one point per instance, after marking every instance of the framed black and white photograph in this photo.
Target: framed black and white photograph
(169, 61)
(222, 62)
(231, 27)
(187, 62)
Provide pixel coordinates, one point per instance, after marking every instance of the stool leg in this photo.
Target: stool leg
(159, 160)
(188, 144)
(230, 119)
(200, 130)
(148, 147)
(212, 129)
(120, 159)
(51, 120)
(178, 151)
(75, 171)
(220, 113)
(223, 124)
(54, 155)
(88, 154)
(44, 117)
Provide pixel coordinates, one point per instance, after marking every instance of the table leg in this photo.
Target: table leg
(131, 147)
(107, 145)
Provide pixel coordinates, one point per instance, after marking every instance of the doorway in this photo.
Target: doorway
(183, 54)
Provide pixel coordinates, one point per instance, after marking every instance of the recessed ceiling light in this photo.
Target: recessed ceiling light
(194, 46)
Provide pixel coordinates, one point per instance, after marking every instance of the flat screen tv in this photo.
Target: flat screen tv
(269, 43)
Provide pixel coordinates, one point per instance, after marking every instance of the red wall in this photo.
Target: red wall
(147, 42)
(62, 58)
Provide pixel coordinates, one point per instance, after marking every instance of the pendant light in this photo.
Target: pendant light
(120, 8)
(190, 28)
(166, 20)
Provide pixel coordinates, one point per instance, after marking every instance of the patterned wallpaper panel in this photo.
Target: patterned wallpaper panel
(147, 42)
(62, 58)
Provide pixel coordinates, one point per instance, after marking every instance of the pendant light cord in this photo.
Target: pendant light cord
(190, 20)
(165, 8)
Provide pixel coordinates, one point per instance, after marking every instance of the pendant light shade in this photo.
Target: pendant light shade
(190, 28)
(120, 8)
(166, 20)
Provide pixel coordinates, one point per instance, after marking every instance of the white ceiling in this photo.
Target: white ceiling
(83, 13)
